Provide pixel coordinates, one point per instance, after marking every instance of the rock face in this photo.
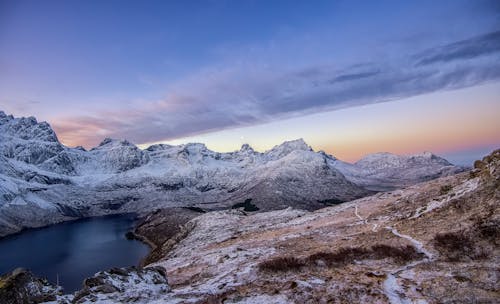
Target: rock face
(21, 287)
(159, 229)
(121, 285)
(44, 182)
(117, 285)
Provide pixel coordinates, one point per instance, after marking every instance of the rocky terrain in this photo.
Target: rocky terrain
(434, 242)
(44, 182)
(20, 286)
(118, 285)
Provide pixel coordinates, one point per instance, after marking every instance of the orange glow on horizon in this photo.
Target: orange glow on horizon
(439, 122)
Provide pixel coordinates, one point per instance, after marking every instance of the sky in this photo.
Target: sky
(350, 77)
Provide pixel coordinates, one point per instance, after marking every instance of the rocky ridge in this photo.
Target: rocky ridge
(119, 285)
(44, 182)
(21, 286)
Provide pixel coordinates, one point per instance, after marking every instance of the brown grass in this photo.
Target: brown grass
(281, 264)
(445, 189)
(399, 254)
(342, 257)
(473, 243)
(455, 246)
(489, 230)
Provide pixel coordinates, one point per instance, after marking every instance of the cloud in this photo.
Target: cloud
(349, 77)
(465, 49)
(19, 106)
(246, 93)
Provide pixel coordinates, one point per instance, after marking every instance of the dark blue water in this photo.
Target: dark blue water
(73, 250)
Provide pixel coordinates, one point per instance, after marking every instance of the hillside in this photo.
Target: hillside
(435, 242)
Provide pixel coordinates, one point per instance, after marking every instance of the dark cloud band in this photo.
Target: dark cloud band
(238, 97)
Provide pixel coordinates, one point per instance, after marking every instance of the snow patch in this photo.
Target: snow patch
(274, 299)
(456, 192)
(394, 291)
(417, 244)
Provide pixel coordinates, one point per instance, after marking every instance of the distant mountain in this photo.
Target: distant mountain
(386, 171)
(43, 181)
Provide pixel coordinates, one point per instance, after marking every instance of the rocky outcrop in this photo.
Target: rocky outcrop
(117, 285)
(162, 228)
(121, 285)
(21, 287)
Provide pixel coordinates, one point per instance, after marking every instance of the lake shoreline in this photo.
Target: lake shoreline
(75, 249)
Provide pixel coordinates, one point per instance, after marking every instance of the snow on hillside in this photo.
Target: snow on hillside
(43, 181)
(435, 242)
(387, 171)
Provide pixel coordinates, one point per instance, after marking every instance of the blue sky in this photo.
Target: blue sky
(163, 70)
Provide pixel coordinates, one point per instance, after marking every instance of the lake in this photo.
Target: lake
(74, 250)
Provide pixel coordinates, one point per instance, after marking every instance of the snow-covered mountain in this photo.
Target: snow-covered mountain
(43, 181)
(435, 242)
(386, 171)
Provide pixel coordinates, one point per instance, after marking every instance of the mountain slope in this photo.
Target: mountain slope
(386, 171)
(435, 242)
(43, 182)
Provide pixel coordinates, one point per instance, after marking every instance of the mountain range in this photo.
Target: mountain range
(434, 242)
(44, 182)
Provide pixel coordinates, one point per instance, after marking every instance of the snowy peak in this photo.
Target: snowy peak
(26, 128)
(4, 116)
(110, 142)
(386, 171)
(380, 160)
(36, 143)
(297, 144)
(106, 141)
(113, 156)
(432, 157)
(426, 154)
(27, 140)
(196, 148)
(246, 148)
(377, 161)
(288, 147)
(158, 147)
(117, 176)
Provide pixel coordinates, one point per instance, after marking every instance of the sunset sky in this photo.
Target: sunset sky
(350, 77)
